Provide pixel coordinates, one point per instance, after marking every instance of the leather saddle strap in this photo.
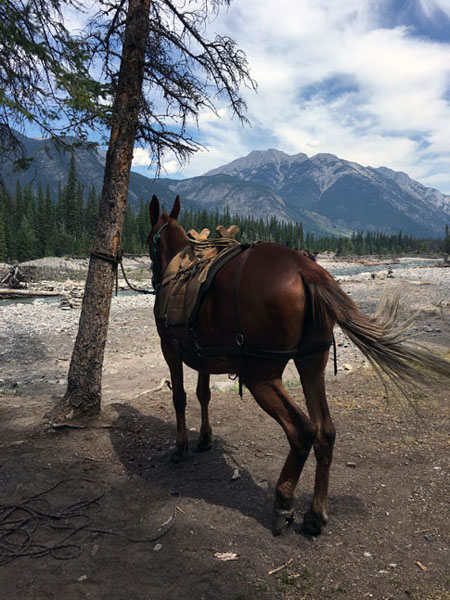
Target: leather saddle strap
(239, 335)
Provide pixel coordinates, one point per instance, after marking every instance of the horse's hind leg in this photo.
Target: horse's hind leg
(312, 375)
(300, 432)
(179, 398)
(204, 396)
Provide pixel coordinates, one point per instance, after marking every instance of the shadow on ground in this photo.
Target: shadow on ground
(144, 452)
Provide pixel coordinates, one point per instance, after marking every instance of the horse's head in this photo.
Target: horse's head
(166, 237)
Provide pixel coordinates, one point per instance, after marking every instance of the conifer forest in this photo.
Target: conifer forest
(35, 225)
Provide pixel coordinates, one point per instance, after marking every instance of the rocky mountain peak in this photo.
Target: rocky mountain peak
(257, 159)
(324, 157)
(416, 189)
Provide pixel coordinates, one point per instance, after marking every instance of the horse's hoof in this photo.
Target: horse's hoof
(313, 523)
(282, 520)
(204, 442)
(179, 453)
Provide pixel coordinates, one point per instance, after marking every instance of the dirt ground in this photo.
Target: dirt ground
(388, 530)
(388, 534)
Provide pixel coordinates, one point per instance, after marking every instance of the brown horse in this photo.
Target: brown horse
(266, 305)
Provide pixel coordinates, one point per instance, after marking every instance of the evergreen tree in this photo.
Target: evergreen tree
(49, 224)
(70, 200)
(18, 207)
(60, 210)
(29, 206)
(447, 240)
(40, 222)
(3, 246)
(142, 226)
(129, 236)
(44, 73)
(91, 212)
(10, 228)
(423, 247)
(32, 226)
(26, 240)
(78, 220)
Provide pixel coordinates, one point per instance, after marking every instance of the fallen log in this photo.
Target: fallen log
(7, 293)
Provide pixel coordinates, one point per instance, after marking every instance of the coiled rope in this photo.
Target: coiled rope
(36, 528)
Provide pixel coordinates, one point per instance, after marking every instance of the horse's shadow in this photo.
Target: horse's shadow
(142, 444)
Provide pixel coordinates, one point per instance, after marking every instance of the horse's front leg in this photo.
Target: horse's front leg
(175, 365)
(204, 396)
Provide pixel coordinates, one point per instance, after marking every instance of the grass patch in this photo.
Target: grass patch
(434, 593)
(11, 392)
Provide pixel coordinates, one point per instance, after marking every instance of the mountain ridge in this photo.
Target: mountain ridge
(329, 195)
(356, 197)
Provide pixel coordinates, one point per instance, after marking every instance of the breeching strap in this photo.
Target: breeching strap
(333, 339)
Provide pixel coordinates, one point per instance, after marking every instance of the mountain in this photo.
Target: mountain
(50, 166)
(326, 193)
(345, 193)
(240, 196)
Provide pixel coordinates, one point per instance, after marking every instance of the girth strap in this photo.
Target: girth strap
(239, 337)
(261, 352)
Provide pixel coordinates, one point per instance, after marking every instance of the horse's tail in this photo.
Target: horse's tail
(378, 337)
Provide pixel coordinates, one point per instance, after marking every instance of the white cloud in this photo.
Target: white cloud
(435, 181)
(141, 158)
(430, 7)
(390, 109)
(396, 111)
(142, 161)
(170, 166)
(75, 19)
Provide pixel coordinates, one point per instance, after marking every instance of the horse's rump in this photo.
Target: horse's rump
(267, 303)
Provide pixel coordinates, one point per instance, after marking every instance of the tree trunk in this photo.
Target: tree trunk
(83, 396)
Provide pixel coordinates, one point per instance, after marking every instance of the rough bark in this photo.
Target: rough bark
(83, 395)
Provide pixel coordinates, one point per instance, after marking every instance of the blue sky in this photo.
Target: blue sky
(367, 80)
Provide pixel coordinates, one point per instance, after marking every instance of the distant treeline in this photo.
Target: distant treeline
(293, 236)
(32, 225)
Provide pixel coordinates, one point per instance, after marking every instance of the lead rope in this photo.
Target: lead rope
(133, 287)
(116, 260)
(26, 524)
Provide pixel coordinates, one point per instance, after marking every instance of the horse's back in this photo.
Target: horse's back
(261, 292)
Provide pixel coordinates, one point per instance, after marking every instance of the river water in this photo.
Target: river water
(336, 269)
(355, 269)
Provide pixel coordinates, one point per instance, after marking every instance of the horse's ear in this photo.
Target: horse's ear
(154, 210)
(175, 209)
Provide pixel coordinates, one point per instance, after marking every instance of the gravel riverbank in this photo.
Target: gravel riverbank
(37, 336)
(388, 531)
